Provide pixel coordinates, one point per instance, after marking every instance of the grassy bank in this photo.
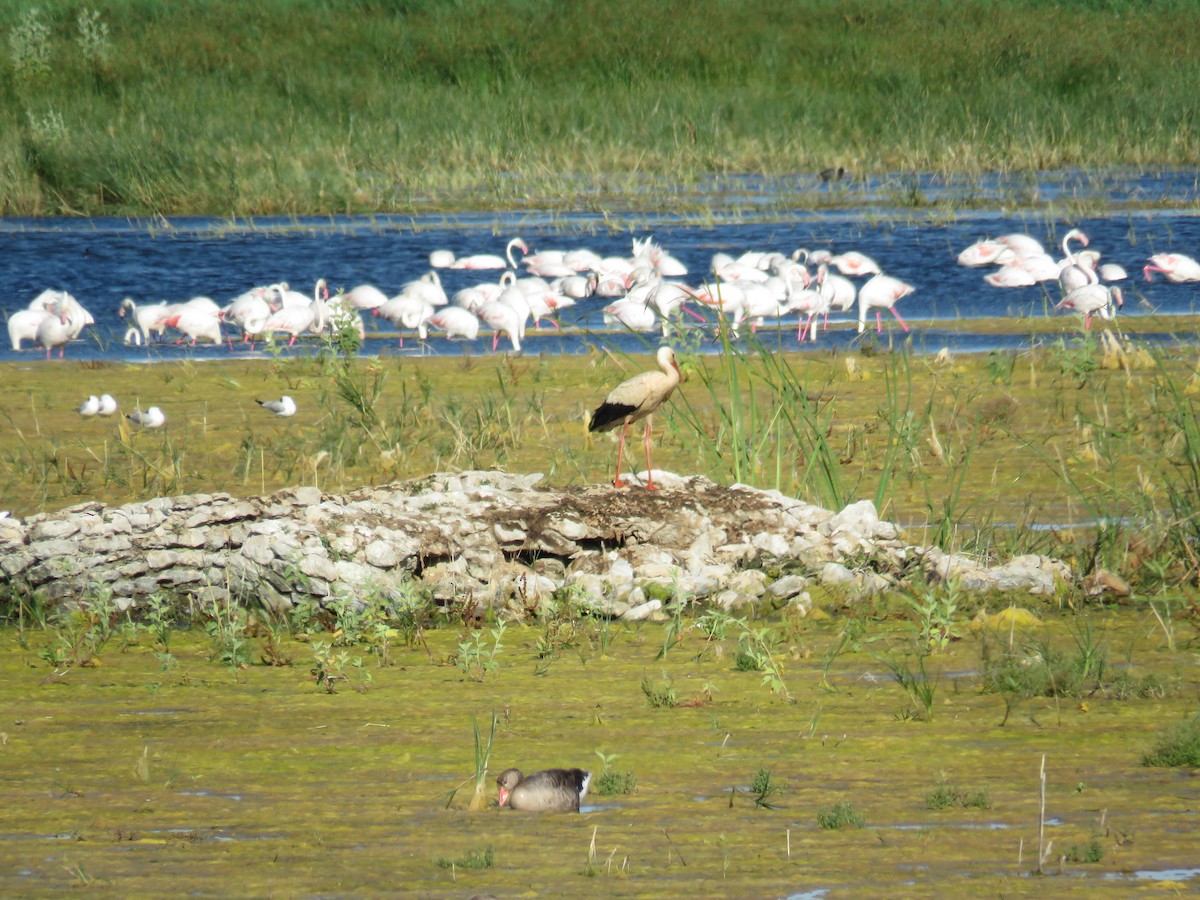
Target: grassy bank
(311, 107)
(998, 453)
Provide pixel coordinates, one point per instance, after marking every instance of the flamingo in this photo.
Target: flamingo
(1021, 244)
(1040, 266)
(761, 301)
(1175, 266)
(501, 317)
(545, 266)
(632, 314)
(441, 259)
(611, 285)
(365, 296)
(659, 260)
(541, 298)
(725, 268)
(406, 312)
(1073, 271)
(1010, 276)
(196, 324)
(89, 407)
(634, 399)
(58, 330)
(151, 418)
(295, 321)
(283, 407)
(880, 293)
(1093, 299)
(23, 325)
(810, 302)
(577, 287)
(473, 297)
(1111, 272)
(147, 319)
(516, 298)
(294, 314)
(855, 263)
(108, 405)
(985, 253)
(456, 322)
(724, 297)
(428, 288)
(583, 260)
(490, 261)
(255, 303)
(815, 257)
(669, 296)
(249, 312)
(837, 289)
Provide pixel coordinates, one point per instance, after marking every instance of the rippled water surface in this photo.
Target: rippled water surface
(101, 261)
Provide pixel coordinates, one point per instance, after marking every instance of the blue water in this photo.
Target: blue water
(101, 261)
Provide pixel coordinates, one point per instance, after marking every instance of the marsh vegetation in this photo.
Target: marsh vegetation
(332, 755)
(311, 108)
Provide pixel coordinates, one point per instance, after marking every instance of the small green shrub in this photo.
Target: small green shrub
(945, 796)
(1125, 685)
(610, 783)
(1091, 852)
(479, 858)
(762, 787)
(661, 695)
(1178, 745)
(842, 815)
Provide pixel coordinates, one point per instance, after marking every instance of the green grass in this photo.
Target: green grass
(841, 815)
(305, 106)
(1178, 745)
(945, 796)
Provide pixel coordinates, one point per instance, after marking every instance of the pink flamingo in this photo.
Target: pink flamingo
(880, 293)
(1175, 266)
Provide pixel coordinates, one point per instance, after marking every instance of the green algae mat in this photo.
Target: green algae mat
(150, 773)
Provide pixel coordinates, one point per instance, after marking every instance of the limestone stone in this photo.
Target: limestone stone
(487, 538)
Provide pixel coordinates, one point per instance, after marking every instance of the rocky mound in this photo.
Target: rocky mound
(487, 538)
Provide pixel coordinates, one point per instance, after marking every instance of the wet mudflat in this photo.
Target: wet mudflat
(144, 776)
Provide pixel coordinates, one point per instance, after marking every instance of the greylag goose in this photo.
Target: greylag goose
(556, 790)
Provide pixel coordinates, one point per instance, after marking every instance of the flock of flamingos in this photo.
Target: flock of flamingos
(645, 292)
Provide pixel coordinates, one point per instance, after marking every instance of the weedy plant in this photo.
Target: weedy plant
(934, 608)
(81, 632)
(756, 652)
(715, 625)
(610, 782)
(330, 666)
(908, 668)
(227, 626)
(841, 815)
(478, 858)
(764, 418)
(661, 695)
(1178, 745)
(762, 787)
(476, 656)
(270, 626)
(945, 796)
(1091, 852)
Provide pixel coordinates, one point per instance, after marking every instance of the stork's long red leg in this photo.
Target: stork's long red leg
(649, 465)
(620, 451)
